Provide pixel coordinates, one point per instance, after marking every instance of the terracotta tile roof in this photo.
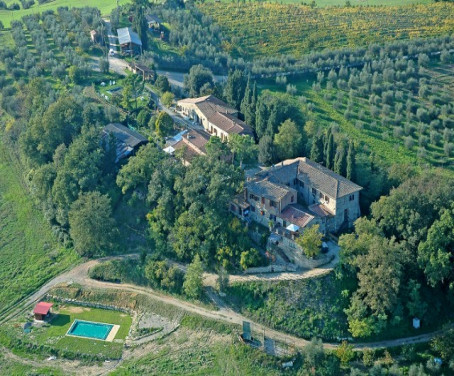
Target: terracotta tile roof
(196, 139)
(296, 215)
(189, 152)
(219, 113)
(42, 308)
(320, 210)
(229, 123)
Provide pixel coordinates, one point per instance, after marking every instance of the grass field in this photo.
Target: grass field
(341, 3)
(200, 351)
(305, 308)
(29, 255)
(53, 336)
(264, 29)
(16, 368)
(105, 6)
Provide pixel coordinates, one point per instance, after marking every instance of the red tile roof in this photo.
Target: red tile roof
(296, 216)
(42, 308)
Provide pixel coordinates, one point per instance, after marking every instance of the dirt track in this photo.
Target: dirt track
(80, 275)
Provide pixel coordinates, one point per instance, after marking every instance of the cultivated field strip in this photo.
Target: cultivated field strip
(259, 29)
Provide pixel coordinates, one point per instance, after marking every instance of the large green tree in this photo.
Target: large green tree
(164, 124)
(243, 148)
(436, 253)
(137, 172)
(311, 241)
(92, 226)
(82, 170)
(193, 279)
(59, 124)
(196, 79)
(289, 140)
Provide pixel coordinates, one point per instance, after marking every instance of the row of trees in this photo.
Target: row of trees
(68, 29)
(400, 99)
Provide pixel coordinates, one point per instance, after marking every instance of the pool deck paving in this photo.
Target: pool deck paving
(113, 332)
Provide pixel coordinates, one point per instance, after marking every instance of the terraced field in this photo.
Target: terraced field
(264, 29)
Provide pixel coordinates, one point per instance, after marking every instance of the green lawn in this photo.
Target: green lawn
(29, 255)
(55, 334)
(105, 6)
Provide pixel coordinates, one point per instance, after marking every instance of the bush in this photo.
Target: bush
(162, 83)
(167, 98)
(249, 258)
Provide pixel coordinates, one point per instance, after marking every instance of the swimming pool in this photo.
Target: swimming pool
(89, 329)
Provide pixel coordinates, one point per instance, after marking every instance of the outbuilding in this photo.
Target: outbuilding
(129, 41)
(42, 310)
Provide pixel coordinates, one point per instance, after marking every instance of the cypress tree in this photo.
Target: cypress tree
(234, 88)
(252, 106)
(351, 162)
(329, 154)
(245, 106)
(340, 163)
(140, 25)
(325, 145)
(317, 149)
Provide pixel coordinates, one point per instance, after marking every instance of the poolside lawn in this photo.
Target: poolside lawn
(55, 334)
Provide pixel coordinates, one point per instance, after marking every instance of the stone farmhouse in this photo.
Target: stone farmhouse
(216, 116)
(297, 194)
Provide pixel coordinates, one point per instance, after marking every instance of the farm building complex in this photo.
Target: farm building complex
(296, 194)
(216, 117)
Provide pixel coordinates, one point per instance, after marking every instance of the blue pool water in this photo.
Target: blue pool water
(90, 329)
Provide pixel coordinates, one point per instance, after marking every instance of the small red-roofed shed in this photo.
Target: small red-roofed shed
(42, 310)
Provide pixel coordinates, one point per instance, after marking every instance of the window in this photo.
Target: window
(253, 197)
(253, 208)
(292, 198)
(273, 204)
(301, 184)
(263, 200)
(295, 181)
(326, 198)
(314, 191)
(273, 217)
(351, 197)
